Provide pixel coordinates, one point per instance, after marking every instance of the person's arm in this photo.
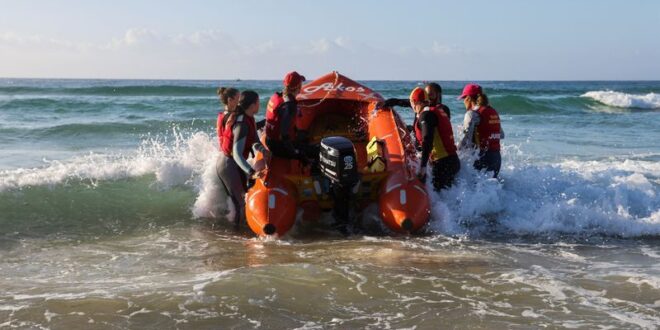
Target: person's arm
(240, 136)
(470, 123)
(428, 124)
(261, 124)
(257, 146)
(397, 102)
(287, 119)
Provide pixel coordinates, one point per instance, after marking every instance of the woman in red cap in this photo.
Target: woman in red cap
(281, 114)
(482, 129)
(434, 132)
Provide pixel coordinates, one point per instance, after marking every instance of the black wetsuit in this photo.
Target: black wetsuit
(283, 147)
(444, 169)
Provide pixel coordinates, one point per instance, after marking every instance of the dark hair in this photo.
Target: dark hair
(225, 93)
(436, 87)
(247, 99)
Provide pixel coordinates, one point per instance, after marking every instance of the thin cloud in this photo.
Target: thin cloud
(145, 53)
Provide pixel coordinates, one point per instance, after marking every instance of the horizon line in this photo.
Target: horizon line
(392, 80)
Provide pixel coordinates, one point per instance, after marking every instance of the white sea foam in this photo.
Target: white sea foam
(212, 198)
(571, 197)
(614, 196)
(173, 163)
(623, 100)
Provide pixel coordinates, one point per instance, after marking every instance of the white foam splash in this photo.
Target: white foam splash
(614, 196)
(212, 198)
(173, 163)
(623, 100)
(176, 160)
(571, 197)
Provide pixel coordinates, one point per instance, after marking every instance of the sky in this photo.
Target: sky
(369, 39)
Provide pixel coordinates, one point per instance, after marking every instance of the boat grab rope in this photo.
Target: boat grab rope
(327, 93)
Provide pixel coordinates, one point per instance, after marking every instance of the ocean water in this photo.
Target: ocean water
(111, 217)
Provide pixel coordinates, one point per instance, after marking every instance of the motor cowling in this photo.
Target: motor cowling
(338, 161)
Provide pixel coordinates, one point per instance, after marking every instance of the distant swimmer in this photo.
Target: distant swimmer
(229, 99)
(436, 136)
(239, 136)
(482, 129)
(281, 115)
(434, 91)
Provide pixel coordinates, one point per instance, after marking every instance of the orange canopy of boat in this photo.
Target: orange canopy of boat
(336, 86)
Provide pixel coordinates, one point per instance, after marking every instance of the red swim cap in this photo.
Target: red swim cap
(418, 95)
(470, 90)
(293, 78)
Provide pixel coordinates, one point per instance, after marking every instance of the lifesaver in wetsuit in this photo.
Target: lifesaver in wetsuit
(273, 118)
(227, 142)
(443, 137)
(489, 132)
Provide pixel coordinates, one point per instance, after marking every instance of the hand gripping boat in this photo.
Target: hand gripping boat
(338, 107)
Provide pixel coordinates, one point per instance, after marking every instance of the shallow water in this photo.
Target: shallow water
(189, 276)
(111, 217)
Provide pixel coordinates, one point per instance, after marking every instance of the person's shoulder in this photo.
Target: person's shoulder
(427, 116)
(241, 119)
(471, 114)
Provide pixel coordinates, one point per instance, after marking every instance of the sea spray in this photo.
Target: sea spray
(212, 199)
(172, 159)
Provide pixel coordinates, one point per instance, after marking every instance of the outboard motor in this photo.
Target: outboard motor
(338, 163)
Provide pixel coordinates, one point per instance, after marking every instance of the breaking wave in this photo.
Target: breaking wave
(623, 100)
(612, 197)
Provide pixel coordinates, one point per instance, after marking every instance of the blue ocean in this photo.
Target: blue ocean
(111, 216)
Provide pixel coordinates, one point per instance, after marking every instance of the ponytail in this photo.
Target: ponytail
(225, 93)
(482, 100)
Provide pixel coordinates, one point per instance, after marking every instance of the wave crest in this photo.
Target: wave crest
(623, 100)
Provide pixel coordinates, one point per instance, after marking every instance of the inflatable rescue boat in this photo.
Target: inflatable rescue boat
(364, 148)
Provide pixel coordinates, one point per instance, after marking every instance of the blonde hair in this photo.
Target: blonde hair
(289, 89)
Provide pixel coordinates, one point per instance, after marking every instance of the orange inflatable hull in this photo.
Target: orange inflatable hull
(335, 105)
